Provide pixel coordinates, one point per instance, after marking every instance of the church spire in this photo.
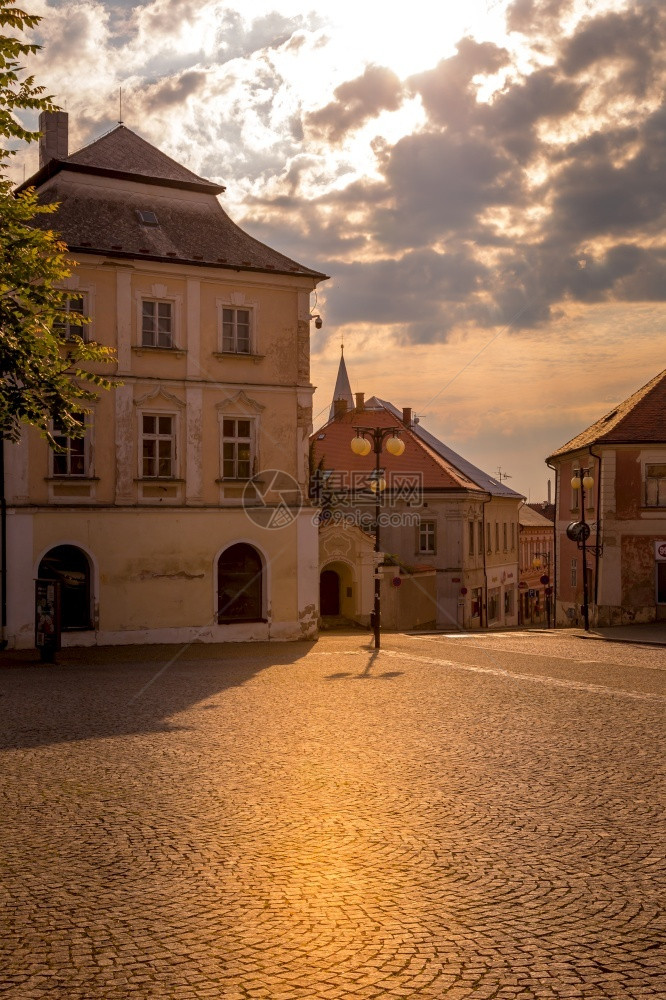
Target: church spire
(342, 387)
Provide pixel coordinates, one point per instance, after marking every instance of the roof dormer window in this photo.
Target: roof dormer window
(147, 218)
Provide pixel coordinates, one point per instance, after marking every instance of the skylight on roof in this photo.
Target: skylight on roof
(148, 218)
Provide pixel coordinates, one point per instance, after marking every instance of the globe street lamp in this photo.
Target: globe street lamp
(367, 439)
(580, 531)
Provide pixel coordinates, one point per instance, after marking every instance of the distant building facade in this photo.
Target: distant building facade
(158, 525)
(625, 454)
(438, 512)
(536, 564)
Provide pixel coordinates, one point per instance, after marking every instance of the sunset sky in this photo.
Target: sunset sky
(484, 182)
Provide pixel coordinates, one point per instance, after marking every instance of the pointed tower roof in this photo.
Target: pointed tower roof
(342, 387)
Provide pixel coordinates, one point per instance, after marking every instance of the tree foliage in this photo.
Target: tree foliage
(43, 377)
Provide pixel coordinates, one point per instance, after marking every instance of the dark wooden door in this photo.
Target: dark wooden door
(329, 593)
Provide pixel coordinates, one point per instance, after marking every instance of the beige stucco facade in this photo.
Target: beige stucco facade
(152, 542)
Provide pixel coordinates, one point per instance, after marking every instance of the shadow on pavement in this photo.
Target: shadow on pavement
(113, 691)
(386, 675)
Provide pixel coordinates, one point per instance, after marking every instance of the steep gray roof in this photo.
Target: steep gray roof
(477, 476)
(124, 154)
(342, 388)
(106, 219)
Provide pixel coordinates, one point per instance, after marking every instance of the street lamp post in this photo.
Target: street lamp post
(583, 481)
(368, 439)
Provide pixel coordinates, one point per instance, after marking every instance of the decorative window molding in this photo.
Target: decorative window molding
(239, 401)
(159, 430)
(159, 393)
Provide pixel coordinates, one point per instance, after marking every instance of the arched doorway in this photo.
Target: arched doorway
(239, 585)
(69, 565)
(329, 593)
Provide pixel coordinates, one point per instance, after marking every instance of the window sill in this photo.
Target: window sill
(159, 480)
(71, 479)
(177, 352)
(240, 621)
(224, 355)
(235, 482)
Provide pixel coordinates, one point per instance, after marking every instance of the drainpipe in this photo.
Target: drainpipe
(554, 598)
(3, 544)
(596, 551)
(485, 568)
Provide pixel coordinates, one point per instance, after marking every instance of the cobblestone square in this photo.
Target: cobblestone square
(471, 817)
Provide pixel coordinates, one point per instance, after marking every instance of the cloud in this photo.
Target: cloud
(174, 90)
(356, 101)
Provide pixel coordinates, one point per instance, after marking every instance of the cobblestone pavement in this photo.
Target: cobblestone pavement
(471, 817)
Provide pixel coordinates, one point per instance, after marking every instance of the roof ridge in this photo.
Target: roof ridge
(466, 468)
(606, 428)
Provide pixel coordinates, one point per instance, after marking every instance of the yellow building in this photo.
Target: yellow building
(180, 516)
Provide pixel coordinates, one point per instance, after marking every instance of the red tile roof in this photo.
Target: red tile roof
(640, 419)
(332, 444)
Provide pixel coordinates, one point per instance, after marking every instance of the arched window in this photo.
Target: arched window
(70, 567)
(239, 585)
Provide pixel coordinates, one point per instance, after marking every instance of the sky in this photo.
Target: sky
(484, 183)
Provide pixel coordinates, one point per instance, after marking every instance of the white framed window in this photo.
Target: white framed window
(236, 330)
(157, 323)
(513, 535)
(480, 537)
(505, 536)
(71, 458)
(488, 542)
(496, 536)
(237, 447)
(574, 573)
(158, 446)
(471, 538)
(655, 485)
(427, 537)
(76, 305)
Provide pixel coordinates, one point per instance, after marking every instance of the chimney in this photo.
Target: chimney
(407, 416)
(53, 142)
(339, 408)
(360, 401)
